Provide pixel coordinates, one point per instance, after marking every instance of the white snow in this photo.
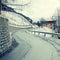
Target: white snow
(16, 20)
(43, 29)
(41, 50)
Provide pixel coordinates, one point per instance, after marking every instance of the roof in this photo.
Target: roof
(44, 22)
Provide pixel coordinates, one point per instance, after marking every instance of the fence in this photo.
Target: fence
(44, 33)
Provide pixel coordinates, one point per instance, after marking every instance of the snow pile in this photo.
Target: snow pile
(15, 19)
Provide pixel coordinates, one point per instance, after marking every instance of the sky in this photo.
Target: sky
(42, 8)
(37, 8)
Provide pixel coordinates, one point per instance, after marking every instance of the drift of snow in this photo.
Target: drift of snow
(15, 19)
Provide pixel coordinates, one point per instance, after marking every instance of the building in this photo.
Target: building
(49, 24)
(5, 41)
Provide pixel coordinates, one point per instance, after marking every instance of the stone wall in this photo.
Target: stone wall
(5, 41)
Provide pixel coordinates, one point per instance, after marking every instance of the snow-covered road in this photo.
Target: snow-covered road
(40, 49)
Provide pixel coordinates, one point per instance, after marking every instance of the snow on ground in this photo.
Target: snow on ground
(19, 52)
(15, 19)
(41, 50)
(43, 29)
(54, 41)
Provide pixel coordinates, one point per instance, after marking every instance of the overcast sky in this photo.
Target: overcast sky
(42, 8)
(39, 8)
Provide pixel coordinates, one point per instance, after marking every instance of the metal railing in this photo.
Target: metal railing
(44, 33)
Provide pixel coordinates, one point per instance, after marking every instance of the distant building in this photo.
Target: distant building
(5, 41)
(49, 24)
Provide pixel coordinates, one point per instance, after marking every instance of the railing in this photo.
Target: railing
(45, 33)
